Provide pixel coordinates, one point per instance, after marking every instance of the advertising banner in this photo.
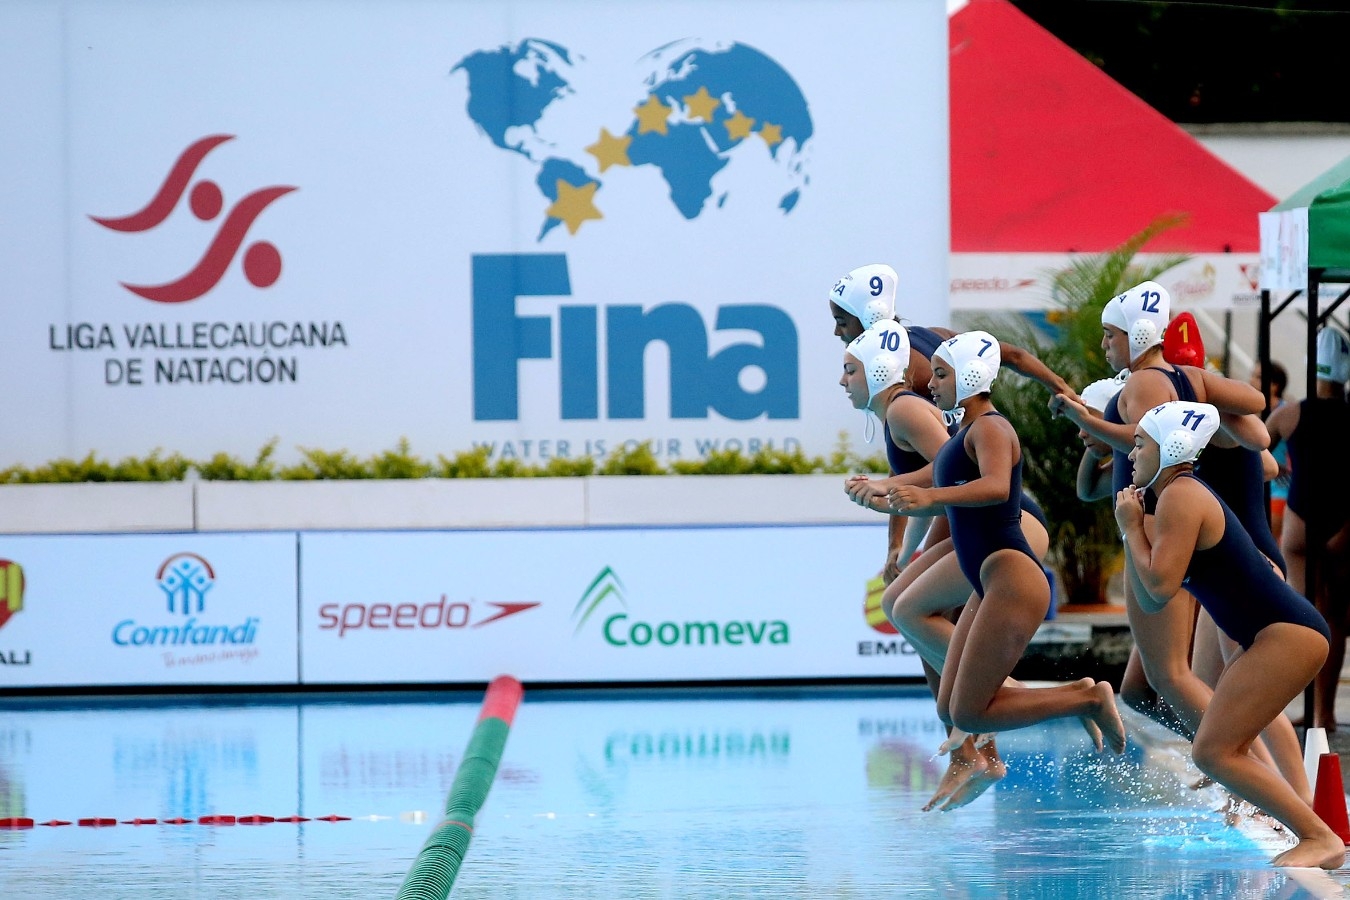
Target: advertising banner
(674, 604)
(993, 282)
(147, 610)
(542, 228)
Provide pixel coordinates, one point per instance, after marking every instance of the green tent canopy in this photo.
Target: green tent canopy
(1329, 232)
(1327, 199)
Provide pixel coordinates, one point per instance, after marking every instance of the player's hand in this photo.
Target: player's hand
(1068, 406)
(1130, 508)
(911, 500)
(861, 489)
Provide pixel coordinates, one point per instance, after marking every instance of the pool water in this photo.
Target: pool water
(769, 793)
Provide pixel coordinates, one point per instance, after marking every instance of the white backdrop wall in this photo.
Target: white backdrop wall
(546, 227)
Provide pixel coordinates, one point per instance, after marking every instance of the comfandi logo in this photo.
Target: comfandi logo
(11, 590)
(184, 581)
(694, 109)
(606, 594)
(206, 201)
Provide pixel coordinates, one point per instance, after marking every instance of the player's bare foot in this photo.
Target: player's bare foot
(1093, 731)
(955, 739)
(1323, 851)
(966, 762)
(980, 781)
(1108, 718)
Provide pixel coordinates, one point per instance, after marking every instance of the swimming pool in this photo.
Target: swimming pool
(746, 793)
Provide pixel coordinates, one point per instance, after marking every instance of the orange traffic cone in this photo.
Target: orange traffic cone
(1329, 796)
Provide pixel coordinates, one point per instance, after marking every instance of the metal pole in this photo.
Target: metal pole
(1227, 343)
(1263, 359)
(1310, 569)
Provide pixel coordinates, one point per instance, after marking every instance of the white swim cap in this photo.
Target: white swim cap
(1182, 429)
(974, 357)
(883, 351)
(1333, 355)
(1142, 312)
(1099, 393)
(867, 293)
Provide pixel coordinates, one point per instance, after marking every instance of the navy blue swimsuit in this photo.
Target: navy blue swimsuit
(902, 461)
(1318, 474)
(1234, 582)
(924, 340)
(1234, 473)
(980, 531)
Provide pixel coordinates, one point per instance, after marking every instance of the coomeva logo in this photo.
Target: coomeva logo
(185, 579)
(11, 589)
(262, 260)
(618, 630)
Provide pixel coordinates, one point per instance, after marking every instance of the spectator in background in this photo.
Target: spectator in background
(1279, 487)
(1317, 520)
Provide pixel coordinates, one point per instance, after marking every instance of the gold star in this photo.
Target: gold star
(700, 105)
(739, 126)
(574, 205)
(652, 115)
(772, 134)
(610, 150)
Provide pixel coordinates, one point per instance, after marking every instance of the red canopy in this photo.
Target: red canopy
(1049, 154)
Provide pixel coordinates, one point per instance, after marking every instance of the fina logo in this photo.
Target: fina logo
(262, 260)
(721, 123)
(185, 579)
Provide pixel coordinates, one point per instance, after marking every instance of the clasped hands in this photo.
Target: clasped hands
(905, 498)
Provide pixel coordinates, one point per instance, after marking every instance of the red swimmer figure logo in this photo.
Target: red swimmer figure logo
(262, 260)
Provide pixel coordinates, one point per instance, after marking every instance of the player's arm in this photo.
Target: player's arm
(1161, 562)
(1094, 477)
(1023, 362)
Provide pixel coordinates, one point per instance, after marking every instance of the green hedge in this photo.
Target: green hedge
(400, 462)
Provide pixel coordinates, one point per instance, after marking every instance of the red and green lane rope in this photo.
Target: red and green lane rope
(433, 872)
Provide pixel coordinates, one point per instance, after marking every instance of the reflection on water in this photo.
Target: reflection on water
(801, 794)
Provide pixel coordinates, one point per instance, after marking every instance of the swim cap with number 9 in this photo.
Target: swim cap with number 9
(867, 293)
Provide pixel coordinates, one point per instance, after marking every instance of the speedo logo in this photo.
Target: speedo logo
(619, 629)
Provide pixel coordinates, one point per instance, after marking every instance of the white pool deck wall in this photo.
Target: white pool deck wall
(428, 503)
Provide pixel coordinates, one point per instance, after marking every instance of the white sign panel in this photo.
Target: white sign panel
(1284, 249)
(147, 610)
(680, 604)
(544, 228)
